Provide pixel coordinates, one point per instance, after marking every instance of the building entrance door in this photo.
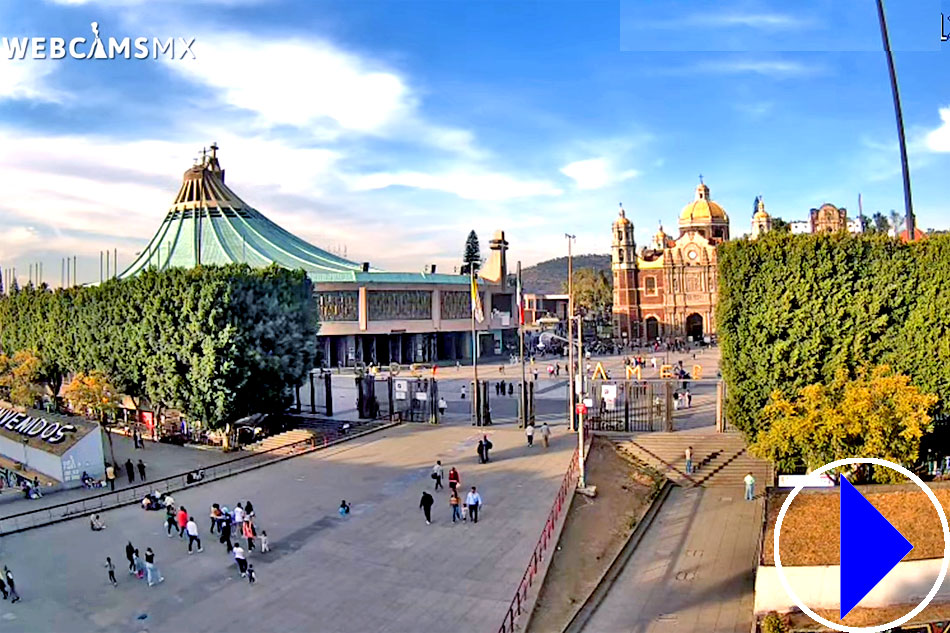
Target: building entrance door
(694, 326)
(653, 329)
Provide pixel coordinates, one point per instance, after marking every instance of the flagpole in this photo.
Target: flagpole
(474, 291)
(524, 383)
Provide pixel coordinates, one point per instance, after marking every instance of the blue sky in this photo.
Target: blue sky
(392, 128)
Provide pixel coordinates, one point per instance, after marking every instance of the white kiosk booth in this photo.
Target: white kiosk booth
(53, 448)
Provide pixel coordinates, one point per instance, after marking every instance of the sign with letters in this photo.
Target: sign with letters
(27, 426)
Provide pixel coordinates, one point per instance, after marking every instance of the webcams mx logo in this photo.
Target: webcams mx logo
(97, 47)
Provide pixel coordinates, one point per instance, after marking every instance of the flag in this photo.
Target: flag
(520, 298)
(476, 302)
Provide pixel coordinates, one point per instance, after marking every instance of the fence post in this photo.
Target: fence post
(328, 385)
(313, 395)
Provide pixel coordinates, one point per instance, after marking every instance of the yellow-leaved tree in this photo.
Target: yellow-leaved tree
(21, 376)
(878, 413)
(92, 393)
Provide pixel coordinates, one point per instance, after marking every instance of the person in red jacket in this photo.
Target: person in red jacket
(182, 518)
(454, 479)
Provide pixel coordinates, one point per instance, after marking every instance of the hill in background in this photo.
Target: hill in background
(547, 277)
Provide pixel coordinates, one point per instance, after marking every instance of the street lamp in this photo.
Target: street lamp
(570, 326)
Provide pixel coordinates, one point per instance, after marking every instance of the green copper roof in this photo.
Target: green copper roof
(210, 224)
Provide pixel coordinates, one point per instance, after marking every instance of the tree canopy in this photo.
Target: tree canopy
(875, 414)
(793, 310)
(472, 259)
(593, 291)
(215, 342)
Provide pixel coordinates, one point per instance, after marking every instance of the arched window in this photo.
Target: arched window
(650, 284)
(620, 256)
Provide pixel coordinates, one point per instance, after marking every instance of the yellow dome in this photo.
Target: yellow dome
(702, 208)
(622, 219)
(760, 213)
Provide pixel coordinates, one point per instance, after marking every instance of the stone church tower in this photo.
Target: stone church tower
(626, 281)
(761, 221)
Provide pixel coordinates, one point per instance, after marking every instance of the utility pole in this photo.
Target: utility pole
(475, 389)
(582, 478)
(909, 219)
(570, 329)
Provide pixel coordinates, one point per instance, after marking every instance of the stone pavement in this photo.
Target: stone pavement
(379, 569)
(161, 460)
(693, 572)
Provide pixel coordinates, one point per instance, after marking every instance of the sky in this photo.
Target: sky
(391, 129)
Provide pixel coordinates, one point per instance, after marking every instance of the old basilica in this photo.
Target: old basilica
(668, 289)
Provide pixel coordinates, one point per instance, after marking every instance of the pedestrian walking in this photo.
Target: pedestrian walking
(130, 470)
(265, 544)
(474, 502)
(426, 504)
(454, 503)
(226, 533)
(344, 508)
(488, 447)
(480, 449)
(192, 528)
(251, 574)
(545, 434)
(110, 476)
(749, 487)
(689, 460)
(214, 516)
(438, 474)
(529, 433)
(241, 559)
(239, 514)
(171, 522)
(139, 564)
(3, 588)
(182, 518)
(249, 509)
(443, 406)
(689, 399)
(511, 385)
(454, 479)
(151, 571)
(248, 531)
(462, 392)
(109, 568)
(129, 554)
(11, 585)
(141, 467)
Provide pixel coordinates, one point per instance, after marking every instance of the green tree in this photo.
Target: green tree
(472, 259)
(878, 413)
(593, 292)
(896, 221)
(881, 223)
(780, 226)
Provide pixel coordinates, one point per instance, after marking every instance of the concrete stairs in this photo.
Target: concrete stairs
(719, 459)
(281, 440)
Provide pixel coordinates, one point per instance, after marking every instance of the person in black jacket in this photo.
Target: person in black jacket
(426, 504)
(130, 470)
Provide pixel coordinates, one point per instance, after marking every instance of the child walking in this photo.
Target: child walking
(265, 544)
(111, 569)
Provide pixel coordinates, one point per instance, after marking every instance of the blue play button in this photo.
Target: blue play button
(870, 547)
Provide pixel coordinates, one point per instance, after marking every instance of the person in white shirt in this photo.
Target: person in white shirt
(529, 433)
(545, 434)
(241, 559)
(438, 474)
(749, 487)
(192, 529)
(474, 502)
(239, 514)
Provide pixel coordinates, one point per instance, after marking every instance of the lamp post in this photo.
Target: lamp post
(909, 219)
(570, 327)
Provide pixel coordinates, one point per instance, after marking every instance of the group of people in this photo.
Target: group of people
(130, 468)
(141, 568)
(461, 510)
(545, 434)
(553, 370)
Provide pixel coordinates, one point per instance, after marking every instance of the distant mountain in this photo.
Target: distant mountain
(547, 277)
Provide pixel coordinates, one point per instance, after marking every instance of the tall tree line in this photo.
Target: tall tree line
(215, 342)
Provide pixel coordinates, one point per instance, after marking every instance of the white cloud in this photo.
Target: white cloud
(27, 79)
(768, 68)
(595, 173)
(468, 184)
(938, 140)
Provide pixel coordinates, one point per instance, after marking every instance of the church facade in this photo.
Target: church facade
(668, 290)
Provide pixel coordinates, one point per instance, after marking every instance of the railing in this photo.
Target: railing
(517, 606)
(133, 494)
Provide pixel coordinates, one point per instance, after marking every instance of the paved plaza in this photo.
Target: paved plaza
(379, 569)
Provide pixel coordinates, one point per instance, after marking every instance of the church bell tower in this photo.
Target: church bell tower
(626, 312)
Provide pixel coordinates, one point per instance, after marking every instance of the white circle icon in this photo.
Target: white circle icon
(943, 566)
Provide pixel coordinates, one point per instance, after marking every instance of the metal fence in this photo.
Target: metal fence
(631, 406)
(133, 494)
(518, 604)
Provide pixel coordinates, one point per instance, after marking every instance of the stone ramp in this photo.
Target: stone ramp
(719, 459)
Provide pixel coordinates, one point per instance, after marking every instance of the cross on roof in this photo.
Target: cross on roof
(214, 149)
(701, 179)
